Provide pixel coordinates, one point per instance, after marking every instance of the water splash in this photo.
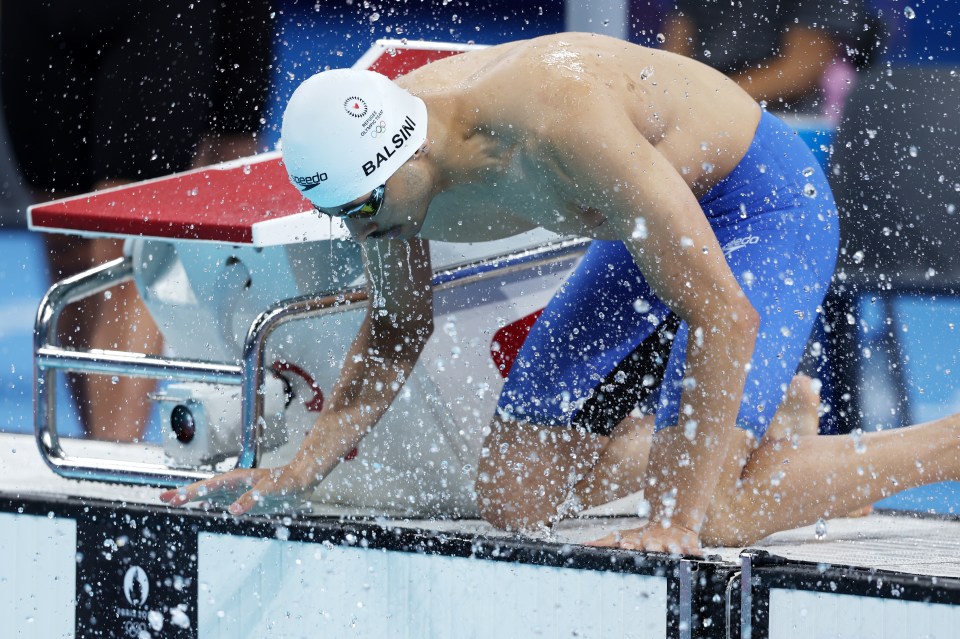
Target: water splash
(640, 229)
(820, 529)
(564, 59)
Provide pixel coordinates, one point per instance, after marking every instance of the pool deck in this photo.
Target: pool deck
(886, 540)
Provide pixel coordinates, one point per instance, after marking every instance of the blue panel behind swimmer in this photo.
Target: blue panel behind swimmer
(775, 218)
(22, 283)
(921, 333)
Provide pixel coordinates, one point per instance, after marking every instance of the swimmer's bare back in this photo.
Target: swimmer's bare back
(499, 110)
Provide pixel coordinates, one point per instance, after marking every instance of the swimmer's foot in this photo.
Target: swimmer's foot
(799, 414)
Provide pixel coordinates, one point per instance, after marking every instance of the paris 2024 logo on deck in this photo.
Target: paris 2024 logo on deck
(136, 586)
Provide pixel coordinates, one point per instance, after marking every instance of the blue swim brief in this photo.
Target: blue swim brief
(606, 344)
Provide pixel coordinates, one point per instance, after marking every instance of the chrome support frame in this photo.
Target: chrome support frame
(50, 357)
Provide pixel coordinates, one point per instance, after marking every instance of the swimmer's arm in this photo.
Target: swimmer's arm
(389, 342)
(397, 325)
(614, 169)
(680, 34)
(804, 55)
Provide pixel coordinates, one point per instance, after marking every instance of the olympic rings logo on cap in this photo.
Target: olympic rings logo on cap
(379, 129)
(355, 106)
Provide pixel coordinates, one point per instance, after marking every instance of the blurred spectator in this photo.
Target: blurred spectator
(798, 56)
(100, 94)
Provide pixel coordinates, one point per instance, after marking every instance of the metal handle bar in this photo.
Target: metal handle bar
(49, 357)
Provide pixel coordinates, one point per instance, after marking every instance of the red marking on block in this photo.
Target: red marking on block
(206, 204)
(507, 341)
(315, 403)
(406, 60)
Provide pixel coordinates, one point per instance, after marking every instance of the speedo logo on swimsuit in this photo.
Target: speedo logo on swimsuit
(398, 140)
(308, 182)
(739, 243)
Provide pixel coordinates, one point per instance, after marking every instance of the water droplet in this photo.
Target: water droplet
(107, 295)
(661, 38)
(641, 305)
(912, 151)
(155, 618)
(706, 53)
(820, 529)
(193, 192)
(909, 13)
(807, 172)
(858, 446)
(643, 509)
(114, 380)
(698, 337)
(858, 257)
(178, 617)
(640, 229)
(809, 190)
(247, 169)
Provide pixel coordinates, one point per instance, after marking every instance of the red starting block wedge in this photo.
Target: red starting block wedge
(248, 201)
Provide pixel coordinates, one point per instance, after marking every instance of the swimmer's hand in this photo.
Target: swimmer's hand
(675, 540)
(260, 490)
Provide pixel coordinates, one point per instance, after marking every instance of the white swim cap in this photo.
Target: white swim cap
(345, 131)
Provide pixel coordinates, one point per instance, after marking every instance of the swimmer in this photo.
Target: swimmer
(714, 239)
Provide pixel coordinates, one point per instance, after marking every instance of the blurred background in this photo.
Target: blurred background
(878, 105)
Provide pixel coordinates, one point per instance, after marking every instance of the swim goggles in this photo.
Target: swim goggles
(366, 209)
